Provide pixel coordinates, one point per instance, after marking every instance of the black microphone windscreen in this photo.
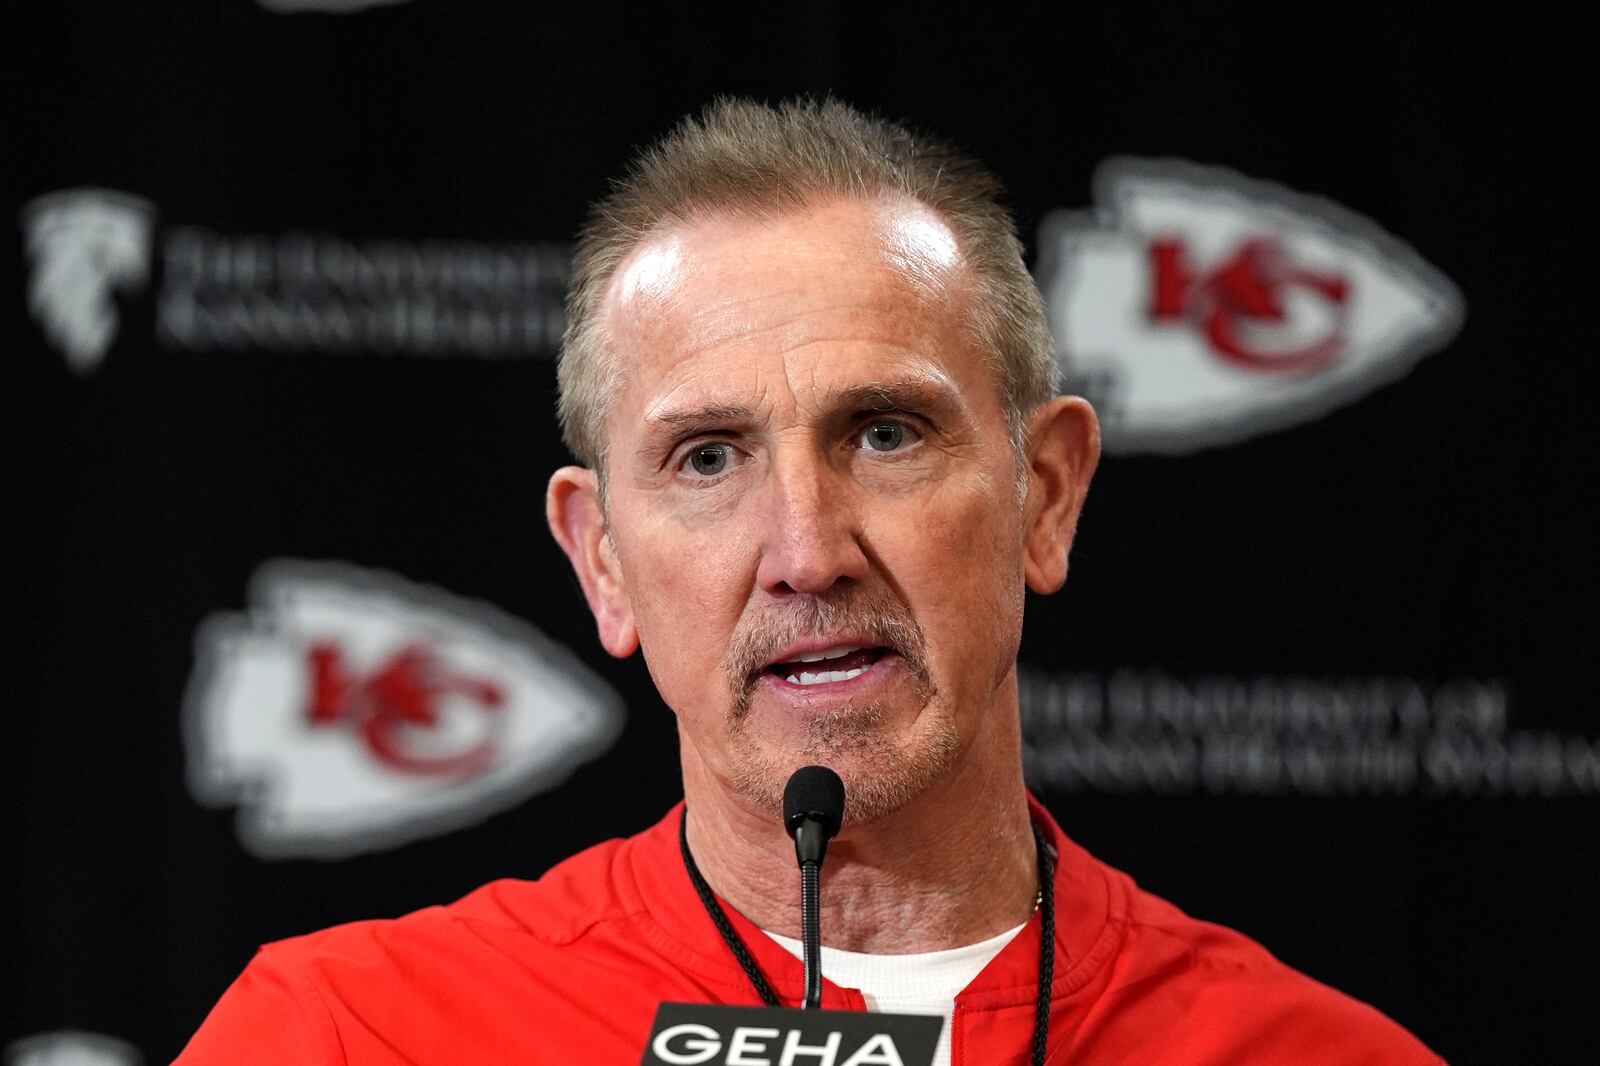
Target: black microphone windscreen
(814, 792)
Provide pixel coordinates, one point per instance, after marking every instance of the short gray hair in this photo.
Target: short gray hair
(743, 156)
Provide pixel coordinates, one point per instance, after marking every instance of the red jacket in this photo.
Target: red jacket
(570, 968)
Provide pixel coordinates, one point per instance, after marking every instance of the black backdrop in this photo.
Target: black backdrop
(1424, 540)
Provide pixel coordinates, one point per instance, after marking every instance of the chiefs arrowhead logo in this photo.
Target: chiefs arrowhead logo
(85, 243)
(350, 710)
(1197, 307)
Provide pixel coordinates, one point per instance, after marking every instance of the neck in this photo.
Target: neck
(954, 866)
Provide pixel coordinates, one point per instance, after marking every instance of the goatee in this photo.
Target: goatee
(881, 773)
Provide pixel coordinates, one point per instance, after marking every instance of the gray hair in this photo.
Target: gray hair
(739, 155)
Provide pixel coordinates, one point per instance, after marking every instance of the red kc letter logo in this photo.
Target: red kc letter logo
(397, 701)
(1245, 289)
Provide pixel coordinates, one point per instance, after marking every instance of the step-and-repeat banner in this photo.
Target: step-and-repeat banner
(288, 641)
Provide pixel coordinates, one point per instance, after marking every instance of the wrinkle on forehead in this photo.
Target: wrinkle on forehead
(904, 381)
(882, 279)
(771, 323)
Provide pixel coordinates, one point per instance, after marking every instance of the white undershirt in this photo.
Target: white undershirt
(924, 983)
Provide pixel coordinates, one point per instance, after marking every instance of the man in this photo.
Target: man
(813, 390)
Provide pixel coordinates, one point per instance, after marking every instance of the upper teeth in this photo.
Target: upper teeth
(830, 653)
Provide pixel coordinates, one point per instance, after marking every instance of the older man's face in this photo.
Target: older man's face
(812, 497)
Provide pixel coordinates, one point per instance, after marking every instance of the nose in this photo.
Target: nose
(812, 541)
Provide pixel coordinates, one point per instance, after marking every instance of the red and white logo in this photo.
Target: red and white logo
(1197, 307)
(350, 710)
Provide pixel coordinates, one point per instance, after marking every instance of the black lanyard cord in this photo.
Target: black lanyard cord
(1047, 934)
(1047, 946)
(746, 961)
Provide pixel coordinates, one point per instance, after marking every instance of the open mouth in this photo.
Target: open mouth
(827, 665)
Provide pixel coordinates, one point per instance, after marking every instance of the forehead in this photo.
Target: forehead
(843, 288)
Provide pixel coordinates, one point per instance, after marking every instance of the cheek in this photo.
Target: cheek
(685, 589)
(973, 532)
(963, 575)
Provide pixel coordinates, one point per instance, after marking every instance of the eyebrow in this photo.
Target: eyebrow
(938, 400)
(680, 423)
(914, 394)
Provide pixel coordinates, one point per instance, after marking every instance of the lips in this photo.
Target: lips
(822, 666)
(815, 653)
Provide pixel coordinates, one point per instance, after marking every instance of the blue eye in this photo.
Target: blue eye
(709, 460)
(883, 436)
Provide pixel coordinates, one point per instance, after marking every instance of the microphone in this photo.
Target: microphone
(813, 808)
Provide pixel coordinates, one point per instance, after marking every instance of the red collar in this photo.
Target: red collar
(1090, 907)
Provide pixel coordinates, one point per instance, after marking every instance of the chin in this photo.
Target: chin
(881, 773)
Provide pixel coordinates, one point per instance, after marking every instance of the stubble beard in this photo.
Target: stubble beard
(880, 774)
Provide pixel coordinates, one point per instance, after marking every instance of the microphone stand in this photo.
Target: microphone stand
(813, 807)
(811, 910)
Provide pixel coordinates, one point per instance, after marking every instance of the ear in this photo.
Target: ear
(572, 506)
(1063, 448)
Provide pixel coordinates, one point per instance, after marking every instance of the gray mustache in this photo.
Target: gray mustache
(870, 617)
